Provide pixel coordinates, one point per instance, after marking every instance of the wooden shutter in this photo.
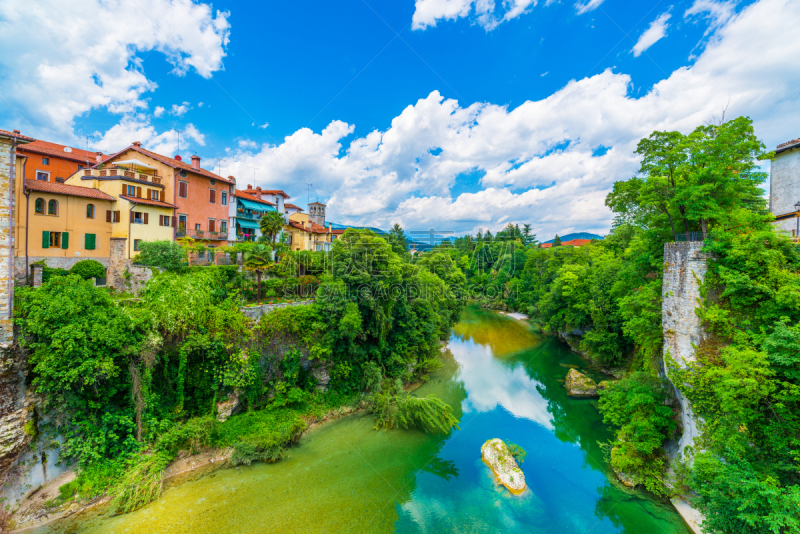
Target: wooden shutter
(212, 226)
(145, 218)
(161, 220)
(124, 189)
(108, 215)
(149, 195)
(174, 222)
(89, 242)
(132, 216)
(117, 216)
(161, 196)
(45, 239)
(183, 189)
(65, 240)
(212, 196)
(139, 191)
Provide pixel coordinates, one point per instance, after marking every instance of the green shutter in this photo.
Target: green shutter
(45, 239)
(64, 240)
(89, 243)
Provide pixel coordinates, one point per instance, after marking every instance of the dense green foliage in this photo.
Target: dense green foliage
(168, 255)
(130, 385)
(88, 269)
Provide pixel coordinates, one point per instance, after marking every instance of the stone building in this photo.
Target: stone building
(784, 186)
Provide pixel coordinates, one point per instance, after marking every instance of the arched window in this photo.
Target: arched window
(39, 205)
(90, 211)
(52, 208)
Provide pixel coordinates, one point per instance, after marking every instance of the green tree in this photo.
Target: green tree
(168, 255)
(271, 224)
(258, 258)
(528, 237)
(557, 241)
(87, 269)
(398, 240)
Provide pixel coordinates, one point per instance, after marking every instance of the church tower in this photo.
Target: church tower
(316, 213)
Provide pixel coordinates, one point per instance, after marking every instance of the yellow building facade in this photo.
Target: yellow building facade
(303, 234)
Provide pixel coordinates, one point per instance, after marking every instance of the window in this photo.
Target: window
(212, 225)
(183, 189)
(39, 205)
(164, 220)
(112, 216)
(197, 227)
(223, 226)
(55, 240)
(224, 199)
(45, 161)
(136, 244)
(89, 241)
(212, 196)
(52, 207)
(90, 211)
(43, 176)
(137, 217)
(155, 194)
(130, 190)
(182, 222)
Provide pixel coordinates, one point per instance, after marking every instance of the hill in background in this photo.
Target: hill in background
(577, 235)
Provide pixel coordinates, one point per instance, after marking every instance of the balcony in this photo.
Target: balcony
(201, 234)
(122, 173)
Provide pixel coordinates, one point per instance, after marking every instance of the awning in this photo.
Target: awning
(255, 206)
(133, 163)
(246, 223)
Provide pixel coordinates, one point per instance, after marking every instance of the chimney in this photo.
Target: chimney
(232, 179)
(249, 187)
(137, 144)
(195, 162)
(178, 158)
(99, 158)
(16, 132)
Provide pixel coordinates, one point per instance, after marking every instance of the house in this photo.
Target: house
(60, 223)
(52, 162)
(309, 232)
(244, 214)
(199, 198)
(576, 242)
(291, 209)
(784, 187)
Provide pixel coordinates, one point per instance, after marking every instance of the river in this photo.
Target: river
(343, 476)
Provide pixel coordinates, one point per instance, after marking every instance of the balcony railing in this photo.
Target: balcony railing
(122, 172)
(201, 234)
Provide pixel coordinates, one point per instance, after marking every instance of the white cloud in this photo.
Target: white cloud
(246, 144)
(587, 5)
(537, 159)
(200, 104)
(83, 55)
(544, 74)
(486, 13)
(656, 30)
(718, 13)
(137, 128)
(158, 111)
(180, 110)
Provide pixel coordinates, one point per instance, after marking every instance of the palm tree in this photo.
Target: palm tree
(258, 258)
(271, 224)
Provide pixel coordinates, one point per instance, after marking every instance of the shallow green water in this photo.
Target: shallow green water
(346, 477)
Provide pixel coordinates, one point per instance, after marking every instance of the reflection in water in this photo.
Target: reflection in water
(346, 477)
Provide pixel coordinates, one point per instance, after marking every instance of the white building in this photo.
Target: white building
(784, 186)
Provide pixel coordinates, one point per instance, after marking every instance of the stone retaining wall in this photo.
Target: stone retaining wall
(685, 267)
(255, 312)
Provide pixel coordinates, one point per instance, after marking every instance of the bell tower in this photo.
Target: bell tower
(316, 213)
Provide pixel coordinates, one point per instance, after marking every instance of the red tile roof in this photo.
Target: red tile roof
(57, 151)
(787, 145)
(315, 228)
(287, 205)
(242, 194)
(251, 191)
(546, 245)
(64, 189)
(147, 201)
(6, 133)
(576, 242)
(174, 163)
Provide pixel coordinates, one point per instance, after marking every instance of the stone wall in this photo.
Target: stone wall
(255, 312)
(685, 267)
(53, 263)
(122, 274)
(6, 243)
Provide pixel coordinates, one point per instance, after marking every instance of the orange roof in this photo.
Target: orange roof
(16, 134)
(57, 151)
(64, 189)
(172, 162)
(243, 194)
(315, 228)
(251, 191)
(287, 205)
(149, 202)
(576, 242)
(546, 245)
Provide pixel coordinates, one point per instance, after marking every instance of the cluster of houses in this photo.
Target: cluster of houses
(71, 204)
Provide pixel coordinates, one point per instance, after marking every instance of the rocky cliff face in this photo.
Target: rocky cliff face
(685, 267)
(16, 414)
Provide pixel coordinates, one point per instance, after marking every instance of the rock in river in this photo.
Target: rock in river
(580, 385)
(497, 456)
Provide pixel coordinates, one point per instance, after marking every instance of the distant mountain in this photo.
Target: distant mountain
(577, 235)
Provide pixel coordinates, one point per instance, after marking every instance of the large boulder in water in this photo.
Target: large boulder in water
(580, 385)
(497, 456)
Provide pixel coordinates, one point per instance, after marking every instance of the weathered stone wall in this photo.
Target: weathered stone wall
(122, 274)
(6, 242)
(255, 312)
(53, 263)
(785, 186)
(685, 267)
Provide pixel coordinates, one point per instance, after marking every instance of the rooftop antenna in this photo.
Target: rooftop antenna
(87, 149)
(254, 175)
(179, 139)
(309, 192)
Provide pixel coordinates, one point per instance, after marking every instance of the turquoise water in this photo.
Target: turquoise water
(346, 477)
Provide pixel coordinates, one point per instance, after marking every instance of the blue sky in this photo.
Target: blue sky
(463, 114)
